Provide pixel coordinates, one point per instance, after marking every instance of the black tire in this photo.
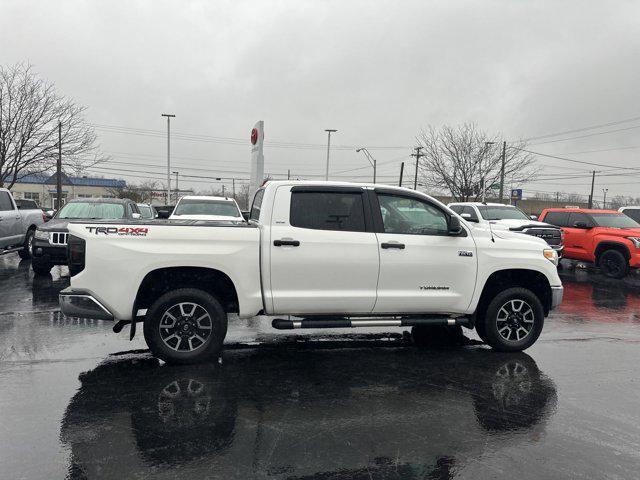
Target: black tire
(166, 342)
(41, 267)
(526, 313)
(437, 336)
(25, 253)
(613, 264)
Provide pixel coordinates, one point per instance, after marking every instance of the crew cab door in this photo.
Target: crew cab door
(324, 253)
(10, 222)
(423, 269)
(577, 240)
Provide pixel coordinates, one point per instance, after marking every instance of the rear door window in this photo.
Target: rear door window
(575, 217)
(255, 207)
(559, 219)
(342, 211)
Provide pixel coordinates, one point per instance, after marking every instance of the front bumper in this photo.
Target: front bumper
(43, 250)
(80, 303)
(556, 296)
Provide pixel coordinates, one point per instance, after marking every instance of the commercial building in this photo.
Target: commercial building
(42, 188)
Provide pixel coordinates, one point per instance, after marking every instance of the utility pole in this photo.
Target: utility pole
(401, 172)
(482, 185)
(288, 174)
(593, 181)
(177, 187)
(169, 117)
(604, 201)
(223, 190)
(233, 186)
(329, 132)
(372, 160)
(504, 156)
(59, 167)
(418, 155)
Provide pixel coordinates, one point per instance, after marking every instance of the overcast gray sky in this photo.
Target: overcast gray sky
(377, 71)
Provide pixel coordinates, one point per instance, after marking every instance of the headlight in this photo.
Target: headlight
(635, 241)
(551, 255)
(41, 235)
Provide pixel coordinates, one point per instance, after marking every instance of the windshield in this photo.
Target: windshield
(92, 210)
(224, 208)
(490, 212)
(614, 220)
(145, 211)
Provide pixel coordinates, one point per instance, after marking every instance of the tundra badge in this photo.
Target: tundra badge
(465, 253)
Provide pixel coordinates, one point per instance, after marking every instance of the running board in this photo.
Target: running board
(11, 249)
(283, 324)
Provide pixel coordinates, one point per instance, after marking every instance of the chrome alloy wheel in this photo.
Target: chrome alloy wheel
(515, 320)
(185, 327)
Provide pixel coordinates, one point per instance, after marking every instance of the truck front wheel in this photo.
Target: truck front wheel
(184, 326)
(513, 320)
(614, 264)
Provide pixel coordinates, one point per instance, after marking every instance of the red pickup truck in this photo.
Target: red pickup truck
(607, 238)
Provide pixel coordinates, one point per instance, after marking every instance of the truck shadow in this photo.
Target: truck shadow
(290, 412)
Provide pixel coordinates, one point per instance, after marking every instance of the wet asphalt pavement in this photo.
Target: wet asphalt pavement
(79, 401)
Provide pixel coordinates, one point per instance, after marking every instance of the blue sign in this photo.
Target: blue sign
(516, 194)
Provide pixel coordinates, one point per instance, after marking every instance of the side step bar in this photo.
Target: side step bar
(11, 249)
(283, 324)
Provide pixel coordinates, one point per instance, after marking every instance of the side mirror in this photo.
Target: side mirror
(454, 226)
(533, 217)
(245, 215)
(584, 225)
(136, 216)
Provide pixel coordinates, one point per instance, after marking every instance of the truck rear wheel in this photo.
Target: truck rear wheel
(25, 253)
(184, 326)
(613, 264)
(513, 320)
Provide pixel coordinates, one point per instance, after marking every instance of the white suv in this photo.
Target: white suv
(508, 217)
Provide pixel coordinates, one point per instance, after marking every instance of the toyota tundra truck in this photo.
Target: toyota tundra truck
(313, 255)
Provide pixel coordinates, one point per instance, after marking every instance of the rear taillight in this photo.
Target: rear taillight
(76, 248)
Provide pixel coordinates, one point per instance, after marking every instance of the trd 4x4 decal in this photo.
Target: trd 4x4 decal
(120, 231)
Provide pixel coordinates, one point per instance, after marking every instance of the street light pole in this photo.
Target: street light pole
(329, 132)
(604, 201)
(177, 187)
(169, 117)
(372, 160)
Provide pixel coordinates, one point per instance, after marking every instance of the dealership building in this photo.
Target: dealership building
(42, 188)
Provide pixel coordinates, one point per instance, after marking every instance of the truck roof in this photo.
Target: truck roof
(579, 210)
(483, 204)
(206, 197)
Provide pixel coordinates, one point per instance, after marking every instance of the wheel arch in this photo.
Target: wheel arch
(605, 245)
(500, 280)
(162, 280)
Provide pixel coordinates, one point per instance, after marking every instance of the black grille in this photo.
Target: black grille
(552, 236)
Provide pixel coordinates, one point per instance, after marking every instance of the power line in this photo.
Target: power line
(618, 122)
(588, 135)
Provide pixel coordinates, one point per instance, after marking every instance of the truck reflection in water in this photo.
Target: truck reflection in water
(304, 412)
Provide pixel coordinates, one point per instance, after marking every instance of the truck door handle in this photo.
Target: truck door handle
(289, 243)
(392, 245)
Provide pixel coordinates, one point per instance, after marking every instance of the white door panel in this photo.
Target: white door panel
(330, 271)
(429, 275)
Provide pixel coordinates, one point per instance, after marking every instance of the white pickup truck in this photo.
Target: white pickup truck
(329, 254)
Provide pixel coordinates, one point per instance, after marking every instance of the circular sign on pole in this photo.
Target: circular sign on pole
(254, 136)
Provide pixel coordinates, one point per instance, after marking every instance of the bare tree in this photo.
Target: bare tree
(30, 110)
(456, 158)
(142, 193)
(241, 196)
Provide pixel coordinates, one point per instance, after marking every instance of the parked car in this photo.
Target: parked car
(509, 217)
(191, 207)
(608, 238)
(322, 251)
(147, 211)
(632, 212)
(18, 223)
(50, 241)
